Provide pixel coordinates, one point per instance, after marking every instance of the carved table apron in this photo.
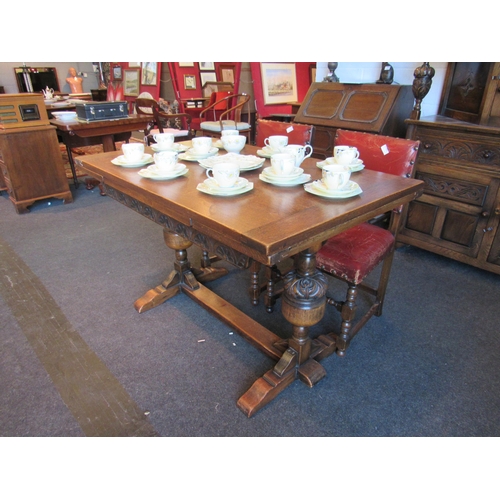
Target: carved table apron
(267, 224)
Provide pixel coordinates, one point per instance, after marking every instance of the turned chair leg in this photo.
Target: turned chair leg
(348, 312)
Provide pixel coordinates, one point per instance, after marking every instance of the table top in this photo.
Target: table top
(77, 124)
(268, 223)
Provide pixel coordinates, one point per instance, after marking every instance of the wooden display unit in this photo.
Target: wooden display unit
(32, 166)
(375, 108)
(22, 110)
(458, 215)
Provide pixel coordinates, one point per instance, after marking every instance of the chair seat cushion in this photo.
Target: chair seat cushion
(226, 125)
(353, 254)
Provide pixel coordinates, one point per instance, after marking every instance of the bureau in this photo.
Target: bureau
(376, 108)
(458, 215)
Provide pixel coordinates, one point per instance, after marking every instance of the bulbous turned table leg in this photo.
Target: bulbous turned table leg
(303, 305)
(183, 275)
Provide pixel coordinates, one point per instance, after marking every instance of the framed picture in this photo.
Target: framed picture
(207, 77)
(117, 72)
(204, 66)
(189, 82)
(279, 82)
(131, 82)
(186, 64)
(148, 73)
(226, 73)
(134, 64)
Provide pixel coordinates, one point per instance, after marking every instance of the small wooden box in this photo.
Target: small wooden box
(22, 111)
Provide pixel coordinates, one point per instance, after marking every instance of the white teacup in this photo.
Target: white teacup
(233, 143)
(282, 164)
(336, 176)
(224, 174)
(164, 140)
(229, 132)
(165, 161)
(299, 152)
(276, 142)
(345, 155)
(133, 151)
(201, 145)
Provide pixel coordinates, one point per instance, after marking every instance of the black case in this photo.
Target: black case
(95, 110)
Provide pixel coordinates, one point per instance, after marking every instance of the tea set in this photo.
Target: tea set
(223, 171)
(165, 142)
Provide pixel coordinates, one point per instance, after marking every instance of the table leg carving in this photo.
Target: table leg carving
(304, 301)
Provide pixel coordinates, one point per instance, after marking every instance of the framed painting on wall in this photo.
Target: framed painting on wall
(148, 73)
(186, 64)
(207, 66)
(279, 83)
(117, 72)
(131, 82)
(207, 77)
(189, 82)
(226, 73)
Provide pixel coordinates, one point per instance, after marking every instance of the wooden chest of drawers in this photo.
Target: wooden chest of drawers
(32, 166)
(458, 215)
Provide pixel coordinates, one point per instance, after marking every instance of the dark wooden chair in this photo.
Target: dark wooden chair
(353, 255)
(229, 119)
(178, 124)
(144, 106)
(297, 133)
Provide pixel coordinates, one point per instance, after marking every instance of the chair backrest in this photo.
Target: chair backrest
(235, 104)
(297, 133)
(179, 121)
(144, 106)
(391, 155)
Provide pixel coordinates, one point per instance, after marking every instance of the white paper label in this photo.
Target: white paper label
(385, 149)
(289, 129)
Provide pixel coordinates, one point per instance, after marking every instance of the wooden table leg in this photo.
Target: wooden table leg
(182, 275)
(304, 301)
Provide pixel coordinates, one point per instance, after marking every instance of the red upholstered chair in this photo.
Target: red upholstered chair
(351, 256)
(298, 133)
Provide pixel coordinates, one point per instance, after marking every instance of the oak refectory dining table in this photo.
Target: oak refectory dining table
(267, 225)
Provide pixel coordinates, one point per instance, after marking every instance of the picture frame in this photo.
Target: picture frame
(279, 82)
(186, 64)
(134, 64)
(206, 66)
(189, 82)
(226, 72)
(117, 72)
(149, 76)
(208, 77)
(131, 82)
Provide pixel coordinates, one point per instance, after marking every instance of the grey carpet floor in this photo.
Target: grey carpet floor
(427, 367)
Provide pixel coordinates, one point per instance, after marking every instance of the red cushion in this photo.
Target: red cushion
(382, 153)
(353, 254)
(297, 133)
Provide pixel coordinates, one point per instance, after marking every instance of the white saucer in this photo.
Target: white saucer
(319, 189)
(209, 186)
(301, 179)
(122, 162)
(244, 162)
(296, 172)
(191, 155)
(151, 174)
(355, 166)
(267, 152)
(180, 148)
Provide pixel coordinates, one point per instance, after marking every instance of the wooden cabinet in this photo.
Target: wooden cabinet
(32, 166)
(379, 109)
(459, 213)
